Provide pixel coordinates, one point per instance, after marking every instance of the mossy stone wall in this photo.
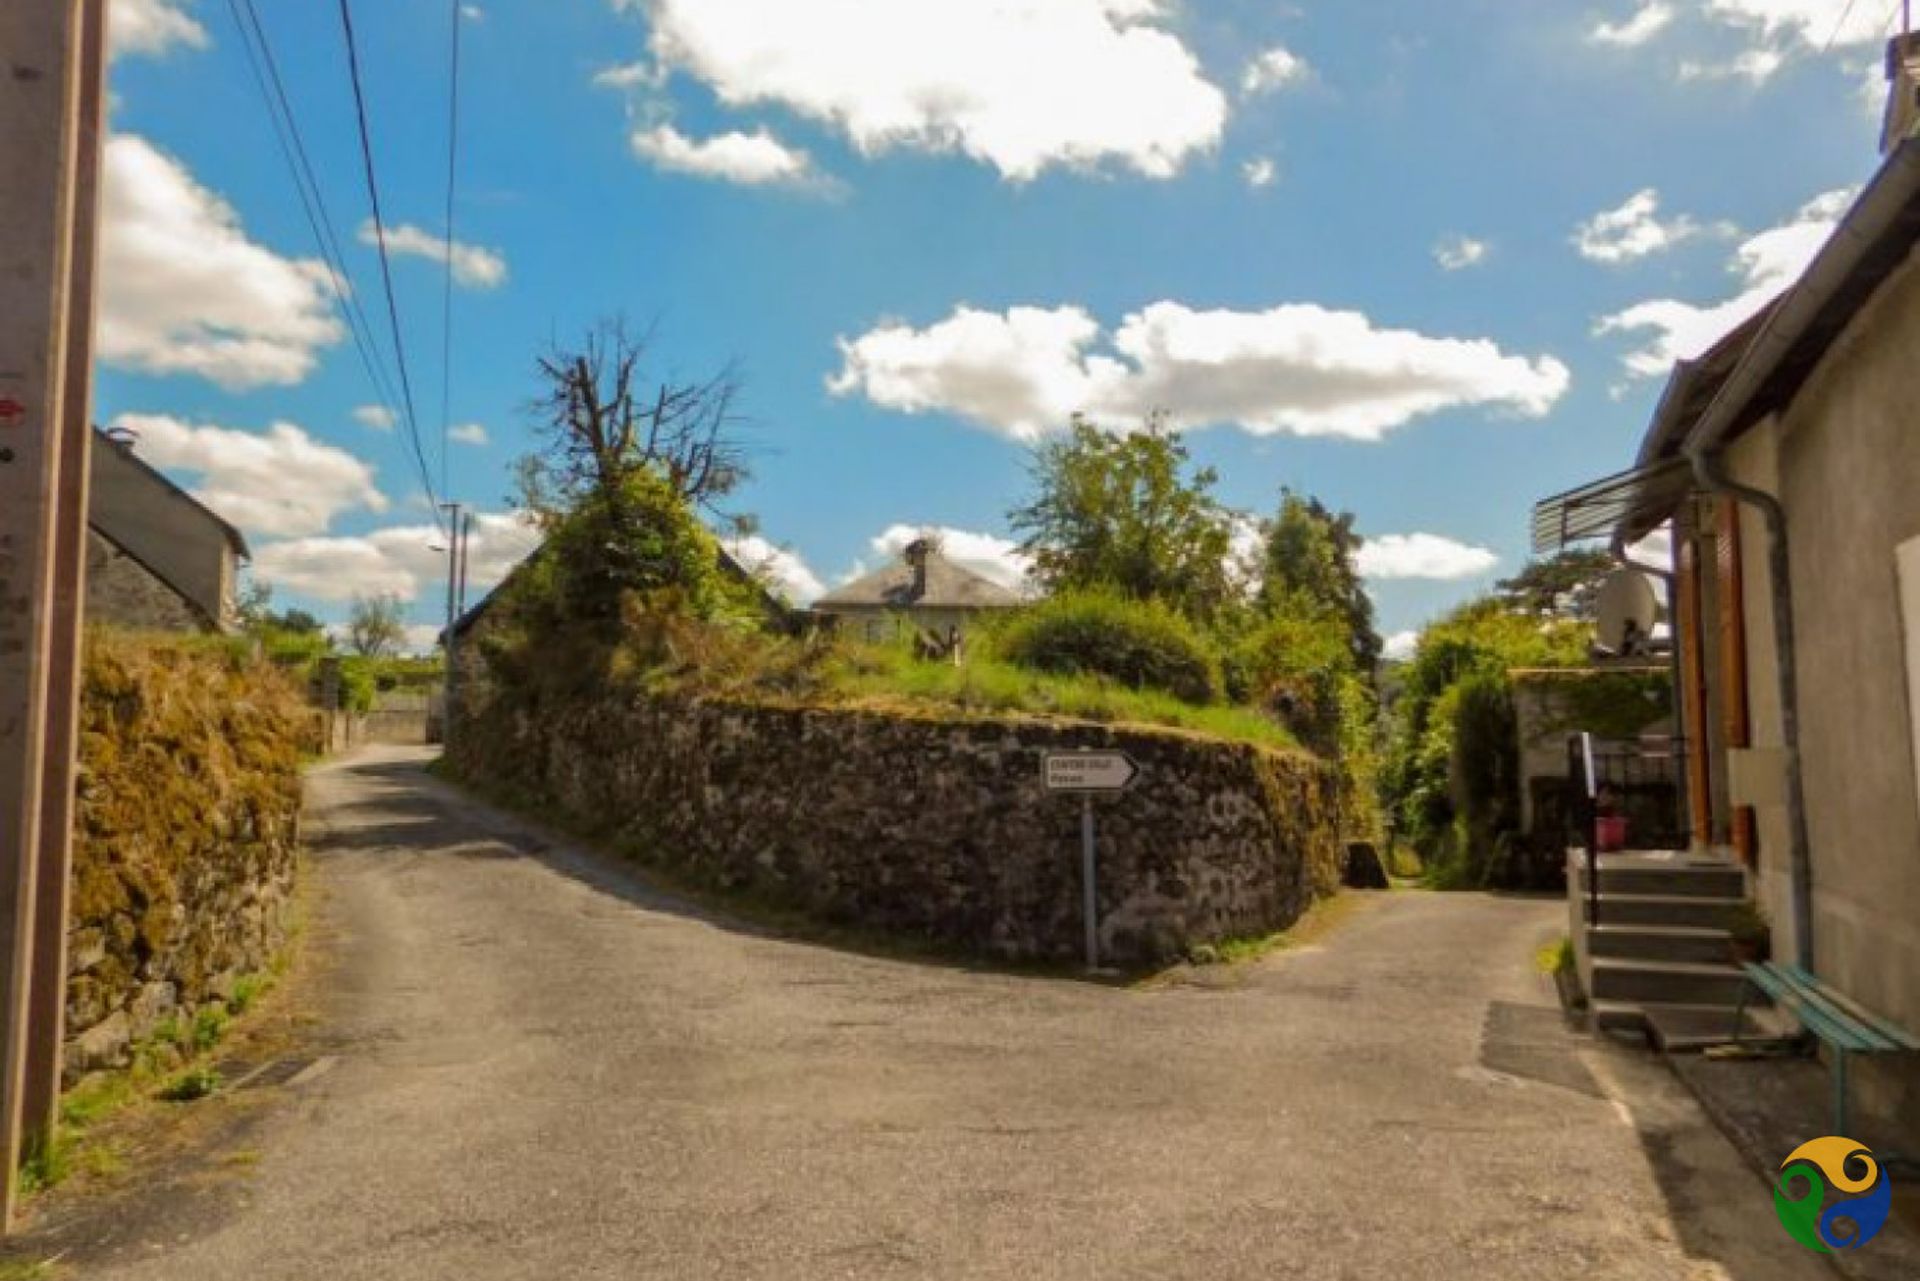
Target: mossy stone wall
(185, 834)
(928, 828)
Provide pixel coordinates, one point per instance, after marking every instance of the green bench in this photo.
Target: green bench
(1841, 1025)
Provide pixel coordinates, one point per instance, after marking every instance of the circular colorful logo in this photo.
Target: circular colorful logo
(1836, 1165)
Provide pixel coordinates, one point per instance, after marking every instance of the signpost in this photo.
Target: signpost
(1089, 773)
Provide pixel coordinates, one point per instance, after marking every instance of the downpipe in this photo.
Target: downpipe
(1709, 468)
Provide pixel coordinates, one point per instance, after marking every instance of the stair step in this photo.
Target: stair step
(1689, 1029)
(1666, 982)
(1658, 942)
(1680, 880)
(1664, 909)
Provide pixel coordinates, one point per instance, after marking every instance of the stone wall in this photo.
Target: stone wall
(933, 829)
(184, 836)
(123, 592)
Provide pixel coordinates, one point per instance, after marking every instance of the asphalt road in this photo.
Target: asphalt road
(541, 1069)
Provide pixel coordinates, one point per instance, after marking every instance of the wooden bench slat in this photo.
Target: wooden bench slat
(1810, 1001)
(1887, 1028)
(1788, 994)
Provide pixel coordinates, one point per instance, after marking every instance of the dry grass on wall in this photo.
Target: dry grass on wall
(185, 833)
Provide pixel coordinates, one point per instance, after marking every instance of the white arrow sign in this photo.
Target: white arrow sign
(1089, 771)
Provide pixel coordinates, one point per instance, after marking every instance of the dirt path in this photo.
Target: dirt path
(543, 1070)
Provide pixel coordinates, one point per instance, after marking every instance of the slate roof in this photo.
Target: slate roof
(947, 586)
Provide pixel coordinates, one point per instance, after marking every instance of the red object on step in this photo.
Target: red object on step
(1610, 832)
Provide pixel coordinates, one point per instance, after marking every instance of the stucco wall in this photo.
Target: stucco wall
(124, 593)
(1848, 465)
(927, 828)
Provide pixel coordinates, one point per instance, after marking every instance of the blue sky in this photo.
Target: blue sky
(1426, 262)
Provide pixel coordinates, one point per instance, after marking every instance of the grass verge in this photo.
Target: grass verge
(1319, 920)
(881, 677)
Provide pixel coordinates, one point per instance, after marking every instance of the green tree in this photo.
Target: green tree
(1564, 585)
(376, 625)
(1127, 512)
(1310, 567)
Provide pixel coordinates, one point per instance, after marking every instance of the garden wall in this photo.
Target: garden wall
(929, 828)
(184, 835)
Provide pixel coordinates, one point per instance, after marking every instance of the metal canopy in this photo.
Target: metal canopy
(1631, 503)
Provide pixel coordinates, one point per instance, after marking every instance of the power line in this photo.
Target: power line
(446, 300)
(386, 266)
(286, 129)
(1846, 12)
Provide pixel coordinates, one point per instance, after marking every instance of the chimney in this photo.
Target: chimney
(916, 555)
(1903, 98)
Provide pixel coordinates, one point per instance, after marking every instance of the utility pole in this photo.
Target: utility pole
(44, 150)
(455, 571)
(47, 984)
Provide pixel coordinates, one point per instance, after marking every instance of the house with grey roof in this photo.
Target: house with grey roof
(923, 590)
(158, 559)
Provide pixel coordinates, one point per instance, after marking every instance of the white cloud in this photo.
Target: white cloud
(399, 559)
(989, 555)
(1810, 22)
(1019, 86)
(1298, 369)
(1259, 172)
(752, 159)
(183, 291)
(781, 568)
(1457, 253)
(1421, 556)
(1277, 68)
(631, 75)
(153, 28)
(277, 482)
(473, 266)
(1400, 646)
(1755, 66)
(468, 434)
(1634, 230)
(1765, 264)
(375, 417)
(473, 13)
(1646, 22)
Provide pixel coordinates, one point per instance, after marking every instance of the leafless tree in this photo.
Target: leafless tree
(604, 415)
(376, 625)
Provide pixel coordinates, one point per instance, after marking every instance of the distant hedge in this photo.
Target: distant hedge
(1144, 644)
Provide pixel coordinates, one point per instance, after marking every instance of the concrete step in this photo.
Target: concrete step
(1680, 880)
(1689, 1029)
(1664, 909)
(1659, 942)
(1666, 982)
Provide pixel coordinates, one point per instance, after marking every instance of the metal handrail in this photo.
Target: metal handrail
(1587, 813)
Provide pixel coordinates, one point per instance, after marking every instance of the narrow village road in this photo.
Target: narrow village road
(544, 1070)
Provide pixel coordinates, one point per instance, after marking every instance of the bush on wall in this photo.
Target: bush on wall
(1143, 644)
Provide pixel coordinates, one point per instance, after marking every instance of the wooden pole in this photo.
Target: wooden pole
(47, 976)
(39, 100)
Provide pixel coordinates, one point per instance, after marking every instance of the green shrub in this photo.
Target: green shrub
(1141, 644)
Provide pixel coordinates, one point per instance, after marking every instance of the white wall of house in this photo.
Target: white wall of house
(1844, 458)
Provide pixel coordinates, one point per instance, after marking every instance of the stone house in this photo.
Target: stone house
(922, 590)
(1787, 464)
(157, 558)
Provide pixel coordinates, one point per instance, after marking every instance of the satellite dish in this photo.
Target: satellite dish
(1626, 609)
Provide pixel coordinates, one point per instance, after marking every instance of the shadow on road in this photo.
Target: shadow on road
(412, 811)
